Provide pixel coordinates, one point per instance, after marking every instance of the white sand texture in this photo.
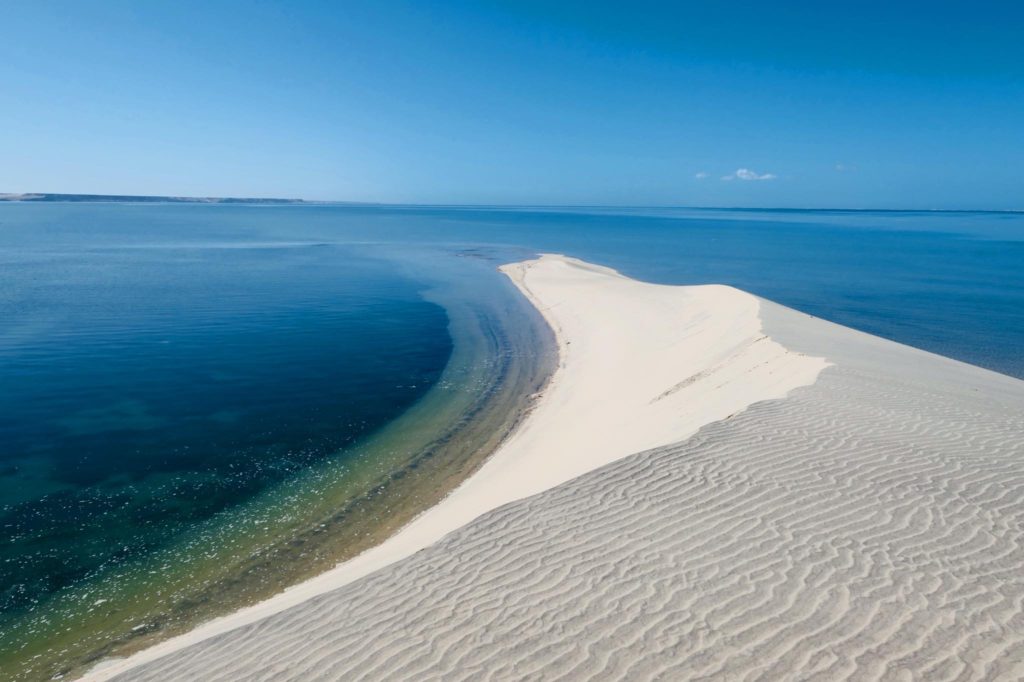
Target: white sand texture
(804, 502)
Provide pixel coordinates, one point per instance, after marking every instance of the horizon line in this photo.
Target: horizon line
(67, 197)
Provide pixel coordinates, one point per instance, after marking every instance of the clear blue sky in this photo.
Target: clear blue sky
(852, 104)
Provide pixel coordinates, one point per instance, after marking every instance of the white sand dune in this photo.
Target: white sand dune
(869, 526)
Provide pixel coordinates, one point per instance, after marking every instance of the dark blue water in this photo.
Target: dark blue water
(163, 364)
(145, 390)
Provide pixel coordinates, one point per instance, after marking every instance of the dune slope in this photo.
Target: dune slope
(868, 526)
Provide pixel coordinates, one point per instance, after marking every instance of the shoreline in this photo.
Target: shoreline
(527, 462)
(421, 455)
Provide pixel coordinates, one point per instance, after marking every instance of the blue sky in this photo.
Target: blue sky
(859, 104)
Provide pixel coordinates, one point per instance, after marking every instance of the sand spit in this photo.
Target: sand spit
(869, 526)
(641, 365)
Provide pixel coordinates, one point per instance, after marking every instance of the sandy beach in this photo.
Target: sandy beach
(710, 486)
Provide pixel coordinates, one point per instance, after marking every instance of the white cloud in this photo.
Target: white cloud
(747, 174)
(845, 168)
(701, 175)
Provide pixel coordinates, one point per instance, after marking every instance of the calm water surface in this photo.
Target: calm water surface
(148, 389)
(163, 365)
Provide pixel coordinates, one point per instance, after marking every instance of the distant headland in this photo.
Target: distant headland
(124, 198)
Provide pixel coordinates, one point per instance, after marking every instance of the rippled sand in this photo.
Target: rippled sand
(868, 526)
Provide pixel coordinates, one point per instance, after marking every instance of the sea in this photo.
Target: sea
(204, 403)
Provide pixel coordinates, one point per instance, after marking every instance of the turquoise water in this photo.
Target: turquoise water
(163, 365)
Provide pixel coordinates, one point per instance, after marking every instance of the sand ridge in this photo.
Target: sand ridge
(869, 526)
(641, 365)
(862, 529)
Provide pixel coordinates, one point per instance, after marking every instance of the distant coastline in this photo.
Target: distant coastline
(130, 199)
(42, 197)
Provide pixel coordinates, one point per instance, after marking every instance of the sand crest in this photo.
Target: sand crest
(869, 526)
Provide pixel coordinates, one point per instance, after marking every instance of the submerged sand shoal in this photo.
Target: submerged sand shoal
(868, 526)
